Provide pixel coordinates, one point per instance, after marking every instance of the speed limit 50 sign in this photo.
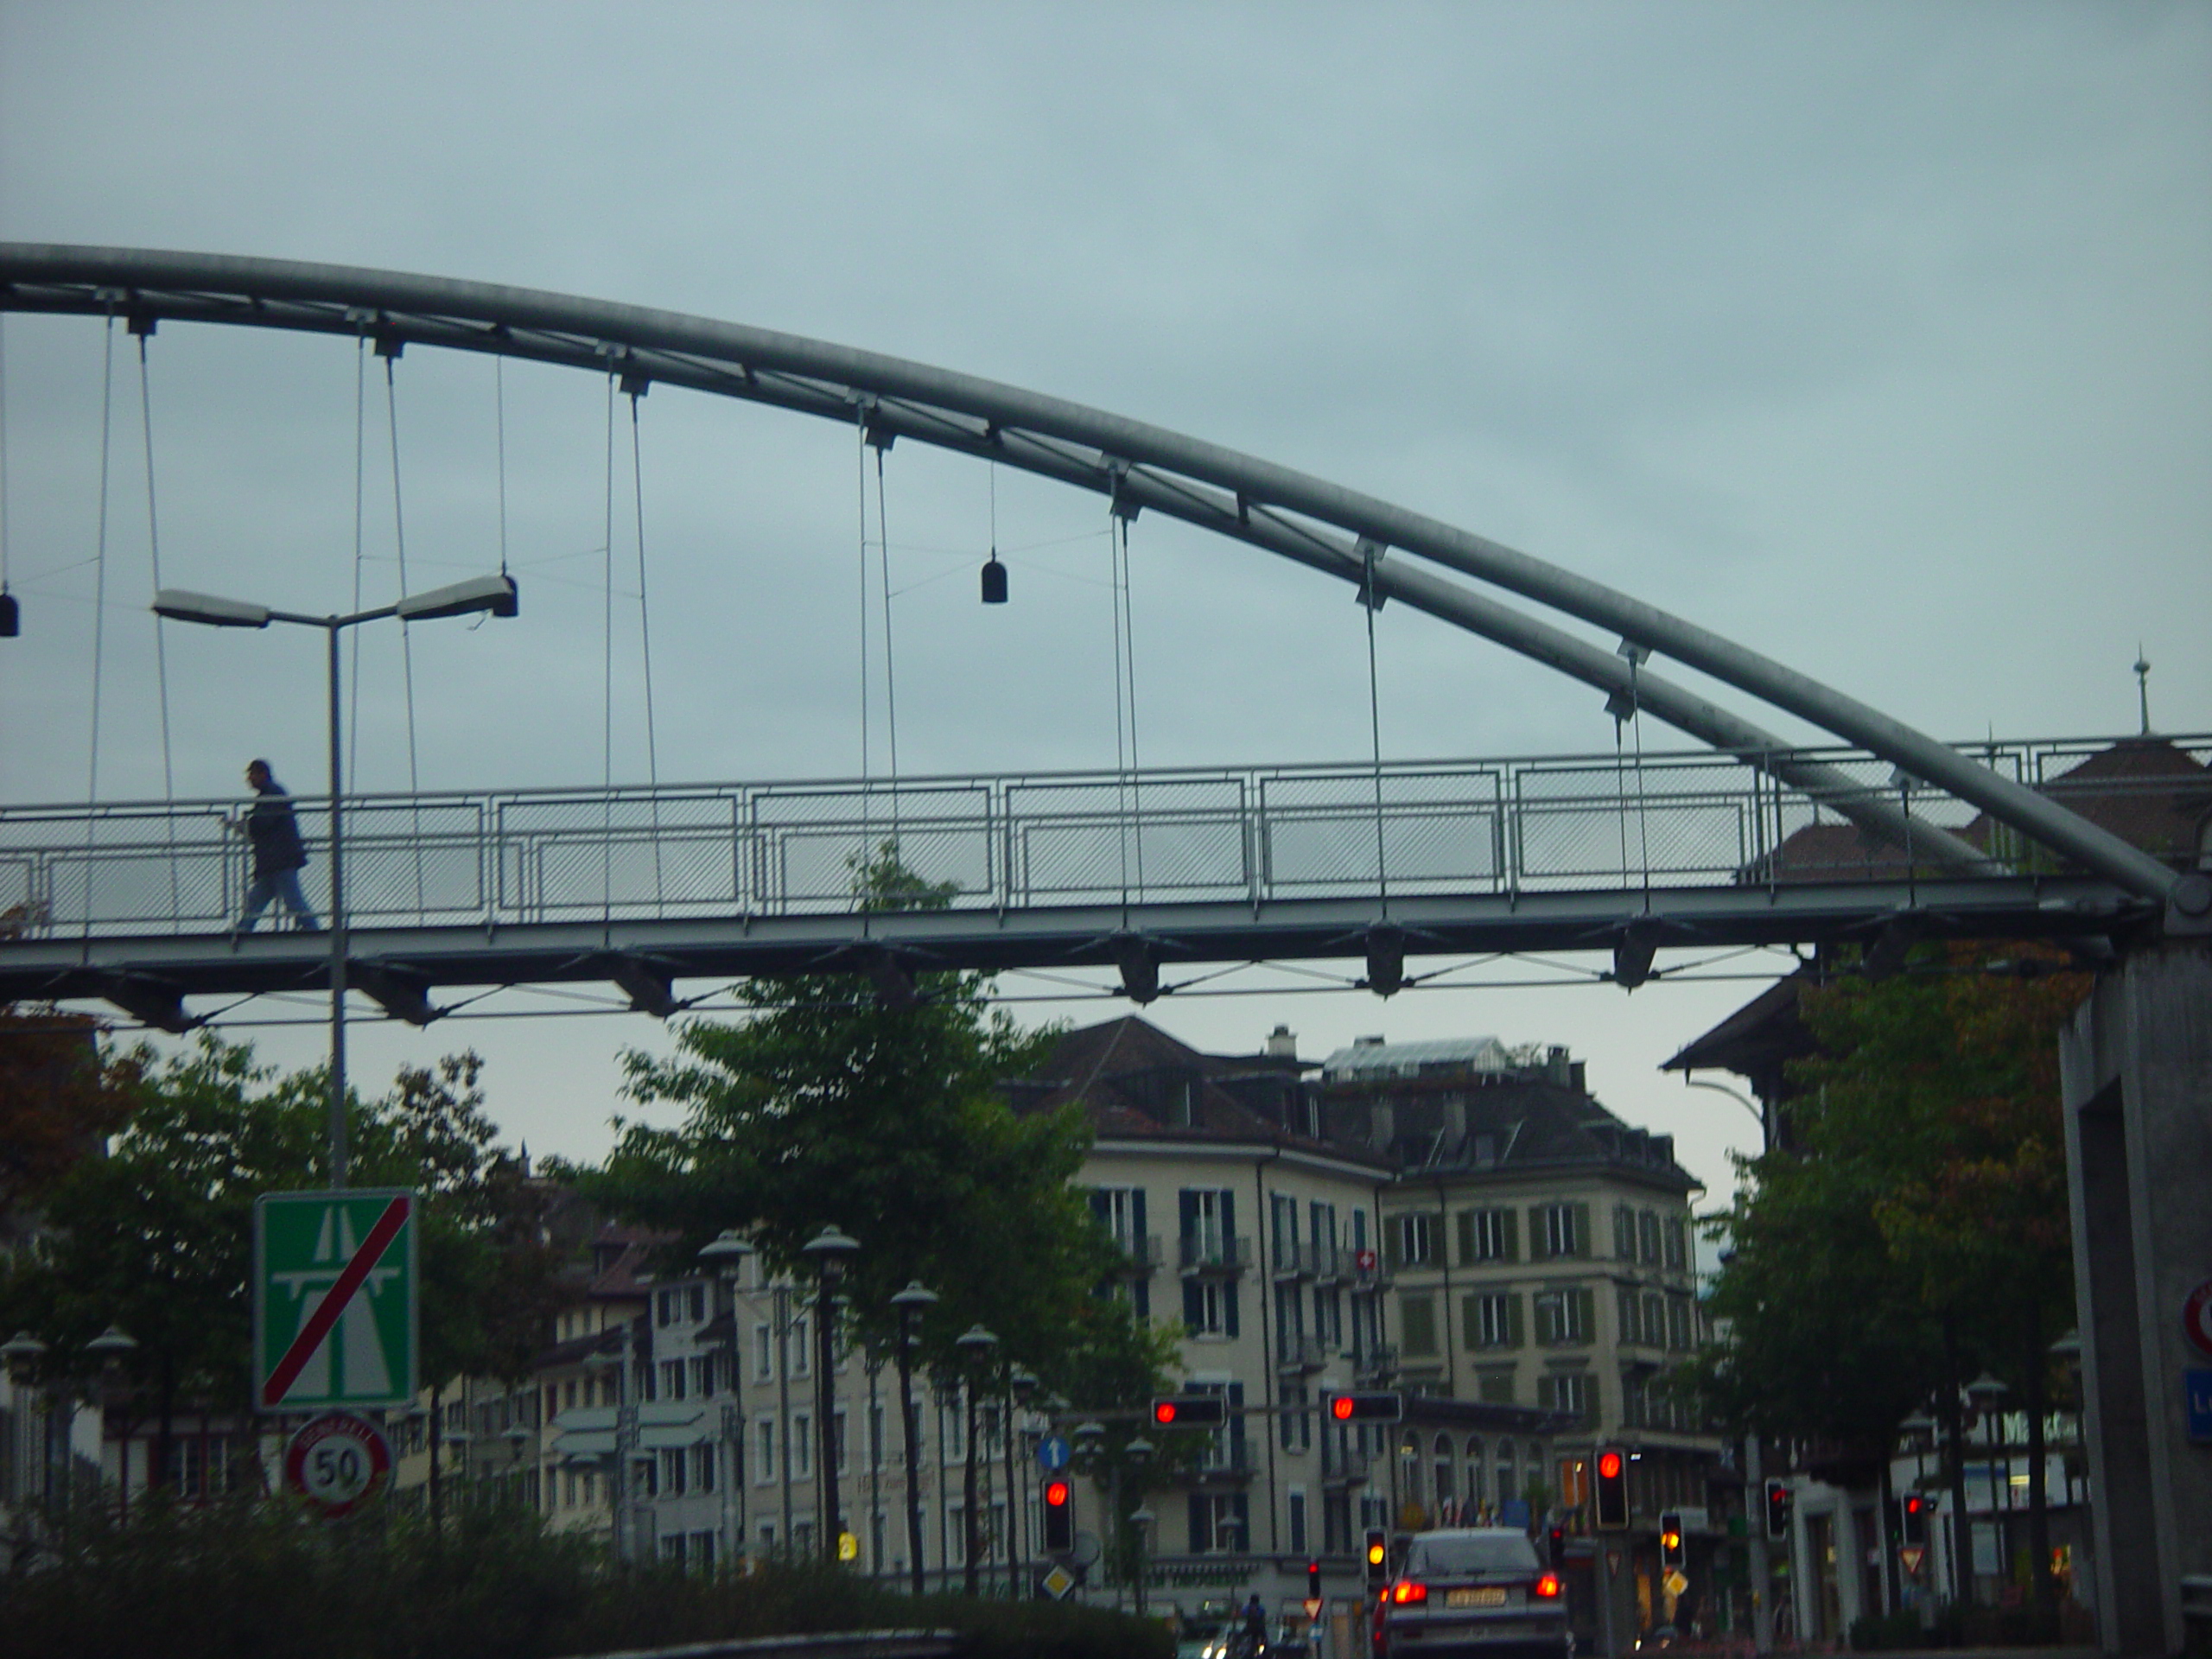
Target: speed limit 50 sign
(337, 1462)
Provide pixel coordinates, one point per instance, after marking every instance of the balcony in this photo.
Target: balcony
(1211, 1255)
(1292, 1260)
(1140, 1254)
(1378, 1365)
(1231, 1461)
(1297, 1353)
(1325, 1261)
(1364, 1272)
(1345, 1465)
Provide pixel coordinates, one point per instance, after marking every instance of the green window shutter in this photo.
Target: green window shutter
(1539, 1246)
(1582, 1230)
(1588, 1301)
(1512, 1220)
(1393, 1237)
(1467, 1239)
(1515, 1333)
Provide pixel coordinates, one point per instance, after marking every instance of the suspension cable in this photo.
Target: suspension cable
(606, 650)
(890, 660)
(406, 631)
(1121, 736)
(160, 631)
(4, 498)
(499, 423)
(361, 521)
(645, 634)
(1120, 527)
(867, 832)
(1370, 601)
(99, 610)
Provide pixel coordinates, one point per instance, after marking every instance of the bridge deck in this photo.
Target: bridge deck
(1210, 865)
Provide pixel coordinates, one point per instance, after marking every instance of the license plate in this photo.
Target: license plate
(1487, 1596)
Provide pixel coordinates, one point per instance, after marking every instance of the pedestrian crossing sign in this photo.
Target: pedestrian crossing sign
(335, 1314)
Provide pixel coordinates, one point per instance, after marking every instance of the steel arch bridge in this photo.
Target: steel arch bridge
(2083, 882)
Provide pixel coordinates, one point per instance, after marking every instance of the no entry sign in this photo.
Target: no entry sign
(334, 1316)
(2197, 1316)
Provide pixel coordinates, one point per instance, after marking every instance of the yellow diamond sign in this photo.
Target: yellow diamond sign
(1057, 1582)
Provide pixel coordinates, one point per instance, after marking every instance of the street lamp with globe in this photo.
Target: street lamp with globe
(975, 1345)
(832, 1251)
(912, 1303)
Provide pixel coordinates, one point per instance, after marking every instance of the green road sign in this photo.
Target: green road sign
(335, 1298)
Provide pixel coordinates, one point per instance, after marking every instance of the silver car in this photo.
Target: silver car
(1473, 1590)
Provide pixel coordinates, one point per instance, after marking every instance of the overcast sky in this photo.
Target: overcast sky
(1877, 337)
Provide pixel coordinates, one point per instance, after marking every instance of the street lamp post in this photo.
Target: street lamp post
(832, 1251)
(1138, 1453)
(722, 1254)
(495, 594)
(1988, 1394)
(912, 1303)
(975, 1345)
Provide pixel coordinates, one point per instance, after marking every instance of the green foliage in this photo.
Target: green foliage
(156, 1236)
(1926, 1181)
(261, 1579)
(59, 1096)
(826, 1106)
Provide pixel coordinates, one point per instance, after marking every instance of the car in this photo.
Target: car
(1472, 1591)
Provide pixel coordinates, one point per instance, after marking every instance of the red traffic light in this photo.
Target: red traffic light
(1375, 1406)
(1609, 1465)
(1056, 1494)
(1190, 1411)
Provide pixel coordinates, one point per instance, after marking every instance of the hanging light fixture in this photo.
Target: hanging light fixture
(994, 580)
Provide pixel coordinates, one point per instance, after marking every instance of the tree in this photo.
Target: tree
(155, 1236)
(58, 1097)
(1917, 1228)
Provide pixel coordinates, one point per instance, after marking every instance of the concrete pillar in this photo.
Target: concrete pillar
(2137, 1069)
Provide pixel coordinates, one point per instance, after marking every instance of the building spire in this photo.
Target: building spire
(2143, 686)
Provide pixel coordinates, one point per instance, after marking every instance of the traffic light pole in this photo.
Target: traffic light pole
(1754, 1529)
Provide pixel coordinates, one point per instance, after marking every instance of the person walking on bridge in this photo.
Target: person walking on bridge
(279, 854)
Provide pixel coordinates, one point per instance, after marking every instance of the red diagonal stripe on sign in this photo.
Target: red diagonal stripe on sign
(326, 1312)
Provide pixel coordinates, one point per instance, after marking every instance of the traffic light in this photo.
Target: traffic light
(1312, 1580)
(1915, 1517)
(1377, 1558)
(1059, 1517)
(1779, 1503)
(1670, 1541)
(1609, 1498)
(1189, 1411)
(1558, 1553)
(1382, 1406)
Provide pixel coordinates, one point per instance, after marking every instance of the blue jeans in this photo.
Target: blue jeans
(284, 886)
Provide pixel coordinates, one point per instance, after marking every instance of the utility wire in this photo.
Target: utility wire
(99, 612)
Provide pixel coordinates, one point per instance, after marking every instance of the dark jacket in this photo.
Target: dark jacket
(274, 834)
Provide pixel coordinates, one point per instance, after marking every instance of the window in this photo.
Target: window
(1119, 1210)
(1678, 1323)
(1653, 1330)
(1219, 1523)
(1282, 1230)
(702, 1466)
(702, 1374)
(698, 1300)
(1324, 1219)
(1648, 1227)
(1209, 1215)
(1626, 1303)
(1623, 1232)
(1417, 1325)
(1567, 1391)
(1209, 1306)
(1563, 1316)
(1509, 1483)
(763, 1452)
(1295, 1424)
(674, 1471)
(1409, 1234)
(1297, 1522)
(802, 1446)
(1492, 1320)
(664, 1306)
(1559, 1229)
(764, 1354)
(671, 1379)
(767, 1540)
(838, 1437)
(1487, 1236)
(1678, 1247)
(801, 1350)
(1329, 1318)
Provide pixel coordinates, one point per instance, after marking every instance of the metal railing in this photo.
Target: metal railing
(1248, 833)
(1204, 1252)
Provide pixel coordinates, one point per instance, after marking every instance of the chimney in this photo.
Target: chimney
(1282, 1044)
(1581, 1078)
(1555, 1066)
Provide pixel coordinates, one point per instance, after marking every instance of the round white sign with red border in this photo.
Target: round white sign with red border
(2197, 1316)
(337, 1462)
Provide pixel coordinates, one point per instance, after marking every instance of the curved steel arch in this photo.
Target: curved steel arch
(1134, 464)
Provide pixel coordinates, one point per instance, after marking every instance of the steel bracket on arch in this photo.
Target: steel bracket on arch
(649, 984)
(401, 992)
(151, 1001)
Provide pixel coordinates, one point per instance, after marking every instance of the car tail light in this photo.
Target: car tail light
(1548, 1587)
(1405, 1590)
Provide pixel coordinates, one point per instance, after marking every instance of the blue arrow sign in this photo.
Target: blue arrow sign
(1054, 1453)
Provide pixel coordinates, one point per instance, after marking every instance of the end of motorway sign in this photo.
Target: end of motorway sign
(335, 1313)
